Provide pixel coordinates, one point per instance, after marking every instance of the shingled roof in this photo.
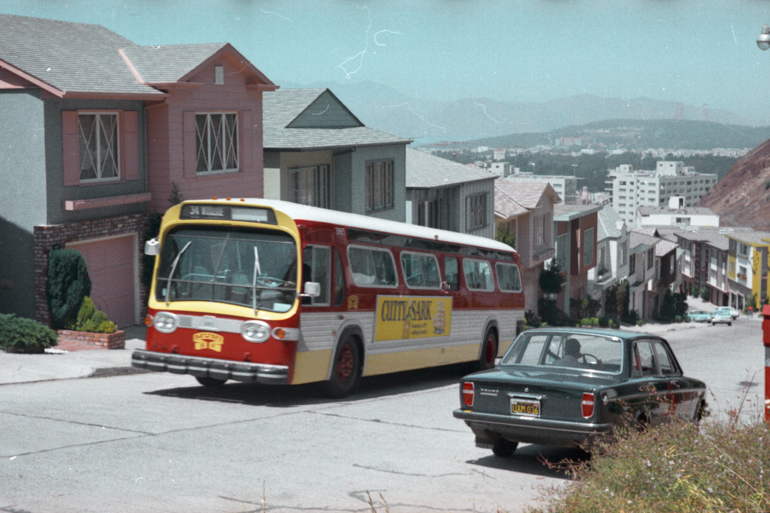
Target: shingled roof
(302, 119)
(66, 58)
(515, 198)
(424, 170)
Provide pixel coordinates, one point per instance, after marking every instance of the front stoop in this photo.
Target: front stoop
(80, 340)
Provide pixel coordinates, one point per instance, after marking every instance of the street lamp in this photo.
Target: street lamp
(763, 41)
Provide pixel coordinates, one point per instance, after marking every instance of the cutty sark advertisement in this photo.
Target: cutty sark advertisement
(400, 317)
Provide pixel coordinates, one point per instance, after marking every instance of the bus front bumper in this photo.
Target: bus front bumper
(210, 367)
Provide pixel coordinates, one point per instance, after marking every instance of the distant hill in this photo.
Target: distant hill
(385, 108)
(742, 196)
(641, 134)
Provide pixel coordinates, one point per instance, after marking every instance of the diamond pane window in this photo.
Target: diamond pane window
(98, 139)
(216, 142)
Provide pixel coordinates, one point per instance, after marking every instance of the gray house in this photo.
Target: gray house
(316, 152)
(447, 195)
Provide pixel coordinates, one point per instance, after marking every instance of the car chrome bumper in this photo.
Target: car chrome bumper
(210, 367)
(531, 429)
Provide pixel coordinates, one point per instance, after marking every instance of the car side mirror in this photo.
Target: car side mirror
(312, 289)
(152, 247)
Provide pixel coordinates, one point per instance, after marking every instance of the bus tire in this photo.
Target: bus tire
(488, 352)
(210, 382)
(346, 368)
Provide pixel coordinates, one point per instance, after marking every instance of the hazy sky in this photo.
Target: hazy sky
(694, 51)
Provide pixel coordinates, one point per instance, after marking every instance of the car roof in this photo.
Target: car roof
(597, 332)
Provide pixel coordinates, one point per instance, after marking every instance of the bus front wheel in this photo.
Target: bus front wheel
(346, 369)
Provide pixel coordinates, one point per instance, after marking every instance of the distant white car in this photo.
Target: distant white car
(722, 317)
(732, 312)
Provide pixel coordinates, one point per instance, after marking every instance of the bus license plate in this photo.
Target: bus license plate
(528, 407)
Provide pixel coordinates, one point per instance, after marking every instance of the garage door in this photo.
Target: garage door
(111, 269)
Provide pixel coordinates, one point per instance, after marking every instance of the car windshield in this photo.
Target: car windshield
(566, 350)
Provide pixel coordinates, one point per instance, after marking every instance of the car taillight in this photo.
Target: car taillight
(588, 404)
(468, 394)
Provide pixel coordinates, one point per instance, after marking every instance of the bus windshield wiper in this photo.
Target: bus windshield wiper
(257, 272)
(173, 270)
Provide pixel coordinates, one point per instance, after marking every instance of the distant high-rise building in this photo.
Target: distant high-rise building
(633, 189)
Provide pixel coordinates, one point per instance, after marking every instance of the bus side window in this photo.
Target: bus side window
(339, 280)
(451, 276)
(315, 267)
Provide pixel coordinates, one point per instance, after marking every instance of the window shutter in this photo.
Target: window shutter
(189, 144)
(70, 147)
(129, 148)
(246, 153)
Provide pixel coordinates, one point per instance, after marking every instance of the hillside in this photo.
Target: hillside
(641, 134)
(742, 196)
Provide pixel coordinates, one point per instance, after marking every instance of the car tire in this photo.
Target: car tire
(488, 352)
(210, 382)
(346, 368)
(729, 323)
(503, 448)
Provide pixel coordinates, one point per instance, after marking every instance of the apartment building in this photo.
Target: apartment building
(632, 189)
(749, 259)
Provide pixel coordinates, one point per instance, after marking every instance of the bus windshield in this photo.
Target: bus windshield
(254, 268)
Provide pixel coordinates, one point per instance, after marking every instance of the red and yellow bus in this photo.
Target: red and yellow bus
(267, 291)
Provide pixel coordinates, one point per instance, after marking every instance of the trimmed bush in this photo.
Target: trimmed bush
(68, 283)
(92, 320)
(22, 335)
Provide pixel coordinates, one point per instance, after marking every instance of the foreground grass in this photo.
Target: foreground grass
(723, 467)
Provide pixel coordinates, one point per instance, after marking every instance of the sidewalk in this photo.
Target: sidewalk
(57, 364)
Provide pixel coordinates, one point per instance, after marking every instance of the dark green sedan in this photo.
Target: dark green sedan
(566, 386)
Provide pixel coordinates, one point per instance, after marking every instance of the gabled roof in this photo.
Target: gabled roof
(640, 242)
(562, 212)
(513, 198)
(83, 60)
(303, 119)
(424, 170)
(67, 58)
(608, 220)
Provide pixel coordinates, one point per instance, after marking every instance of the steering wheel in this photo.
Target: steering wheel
(594, 360)
(268, 281)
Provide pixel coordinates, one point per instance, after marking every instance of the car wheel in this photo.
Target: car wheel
(346, 368)
(729, 324)
(210, 382)
(488, 352)
(504, 448)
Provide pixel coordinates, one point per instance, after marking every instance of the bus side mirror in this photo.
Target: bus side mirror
(312, 289)
(152, 247)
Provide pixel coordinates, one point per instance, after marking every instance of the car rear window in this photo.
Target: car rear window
(566, 350)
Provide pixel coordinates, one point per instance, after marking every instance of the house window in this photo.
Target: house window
(588, 247)
(429, 213)
(379, 185)
(98, 135)
(561, 251)
(623, 252)
(650, 259)
(216, 142)
(632, 264)
(539, 231)
(743, 249)
(477, 211)
(311, 186)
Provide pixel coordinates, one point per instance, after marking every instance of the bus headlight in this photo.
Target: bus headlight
(255, 331)
(166, 322)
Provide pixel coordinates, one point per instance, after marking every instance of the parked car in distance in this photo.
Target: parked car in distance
(566, 386)
(729, 309)
(700, 316)
(722, 317)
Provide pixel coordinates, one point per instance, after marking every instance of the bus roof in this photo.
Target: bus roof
(322, 215)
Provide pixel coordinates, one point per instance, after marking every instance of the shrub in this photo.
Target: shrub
(92, 320)
(68, 283)
(20, 334)
(531, 319)
(604, 321)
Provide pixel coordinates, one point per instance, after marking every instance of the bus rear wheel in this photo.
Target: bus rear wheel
(488, 352)
(346, 369)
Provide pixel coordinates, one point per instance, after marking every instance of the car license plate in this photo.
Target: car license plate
(528, 407)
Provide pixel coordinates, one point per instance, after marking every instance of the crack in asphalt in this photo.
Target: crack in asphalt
(407, 473)
(378, 421)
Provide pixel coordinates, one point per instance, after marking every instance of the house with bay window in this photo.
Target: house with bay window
(749, 259)
(317, 152)
(97, 132)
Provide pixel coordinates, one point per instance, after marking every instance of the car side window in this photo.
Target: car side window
(644, 359)
(667, 366)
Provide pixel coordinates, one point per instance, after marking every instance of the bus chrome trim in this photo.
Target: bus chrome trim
(197, 366)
